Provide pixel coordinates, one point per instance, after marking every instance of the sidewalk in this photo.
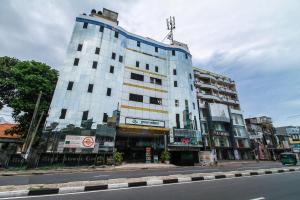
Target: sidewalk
(124, 167)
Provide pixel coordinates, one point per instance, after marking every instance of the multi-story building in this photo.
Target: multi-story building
(222, 122)
(150, 83)
(267, 143)
(293, 134)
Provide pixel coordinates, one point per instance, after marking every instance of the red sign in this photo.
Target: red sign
(88, 142)
(185, 140)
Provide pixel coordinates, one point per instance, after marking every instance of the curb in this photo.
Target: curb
(168, 180)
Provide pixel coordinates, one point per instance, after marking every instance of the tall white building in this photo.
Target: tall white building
(108, 68)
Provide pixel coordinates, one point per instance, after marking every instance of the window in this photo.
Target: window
(79, 47)
(175, 84)
(95, 63)
(76, 61)
(147, 66)
(111, 69)
(113, 55)
(108, 92)
(174, 72)
(194, 106)
(116, 34)
(105, 117)
(97, 51)
(136, 97)
(138, 43)
(186, 56)
(101, 29)
(173, 53)
(90, 88)
(190, 76)
(137, 77)
(154, 100)
(156, 69)
(85, 25)
(192, 87)
(63, 113)
(85, 115)
(137, 64)
(156, 81)
(156, 49)
(176, 103)
(70, 85)
(120, 59)
(177, 121)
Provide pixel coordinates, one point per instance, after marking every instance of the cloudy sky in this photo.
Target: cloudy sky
(257, 43)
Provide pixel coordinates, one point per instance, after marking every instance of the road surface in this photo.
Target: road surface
(270, 187)
(91, 176)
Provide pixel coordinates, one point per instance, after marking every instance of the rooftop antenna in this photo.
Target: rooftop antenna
(170, 26)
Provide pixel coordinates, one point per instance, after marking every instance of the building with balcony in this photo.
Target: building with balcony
(222, 122)
(293, 134)
(149, 83)
(267, 143)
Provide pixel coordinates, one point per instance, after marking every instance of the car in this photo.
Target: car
(288, 158)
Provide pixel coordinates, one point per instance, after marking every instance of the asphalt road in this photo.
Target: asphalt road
(270, 187)
(89, 176)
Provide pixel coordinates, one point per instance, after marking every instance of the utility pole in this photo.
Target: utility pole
(29, 136)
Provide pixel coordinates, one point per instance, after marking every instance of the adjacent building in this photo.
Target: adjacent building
(267, 142)
(146, 86)
(293, 134)
(221, 118)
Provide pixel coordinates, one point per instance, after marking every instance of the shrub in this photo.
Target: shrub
(165, 156)
(118, 158)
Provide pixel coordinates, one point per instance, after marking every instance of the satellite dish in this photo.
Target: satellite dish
(99, 13)
(93, 11)
(83, 14)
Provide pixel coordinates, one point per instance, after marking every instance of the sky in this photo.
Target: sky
(256, 43)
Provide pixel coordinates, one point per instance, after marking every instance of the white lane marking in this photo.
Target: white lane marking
(100, 176)
(128, 188)
(259, 198)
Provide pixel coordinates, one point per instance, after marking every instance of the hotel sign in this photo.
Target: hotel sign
(144, 122)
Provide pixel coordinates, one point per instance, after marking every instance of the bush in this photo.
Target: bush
(118, 158)
(165, 156)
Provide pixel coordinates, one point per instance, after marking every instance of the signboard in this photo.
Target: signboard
(219, 112)
(74, 141)
(293, 130)
(148, 154)
(144, 122)
(221, 133)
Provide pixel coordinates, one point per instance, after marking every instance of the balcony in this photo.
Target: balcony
(227, 90)
(207, 76)
(206, 85)
(208, 96)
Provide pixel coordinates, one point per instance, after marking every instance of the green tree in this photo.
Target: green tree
(20, 84)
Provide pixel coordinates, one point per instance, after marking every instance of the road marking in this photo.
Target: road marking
(259, 198)
(101, 176)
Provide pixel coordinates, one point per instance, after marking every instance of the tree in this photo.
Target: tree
(20, 85)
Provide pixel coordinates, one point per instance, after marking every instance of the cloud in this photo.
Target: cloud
(254, 42)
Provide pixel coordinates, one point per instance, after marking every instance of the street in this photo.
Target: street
(88, 176)
(273, 187)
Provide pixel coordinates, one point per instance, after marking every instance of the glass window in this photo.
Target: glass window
(137, 77)
(108, 92)
(111, 69)
(113, 55)
(95, 63)
(175, 84)
(63, 113)
(176, 103)
(105, 117)
(138, 43)
(70, 85)
(137, 64)
(156, 68)
(154, 100)
(97, 50)
(156, 49)
(136, 97)
(90, 88)
(147, 66)
(101, 29)
(156, 81)
(173, 53)
(120, 59)
(85, 25)
(116, 34)
(76, 62)
(174, 72)
(79, 47)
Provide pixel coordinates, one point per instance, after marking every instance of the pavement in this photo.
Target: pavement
(124, 171)
(275, 184)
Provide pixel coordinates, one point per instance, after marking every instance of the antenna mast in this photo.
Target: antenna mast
(171, 27)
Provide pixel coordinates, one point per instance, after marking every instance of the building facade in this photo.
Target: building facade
(293, 134)
(222, 122)
(268, 144)
(145, 85)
